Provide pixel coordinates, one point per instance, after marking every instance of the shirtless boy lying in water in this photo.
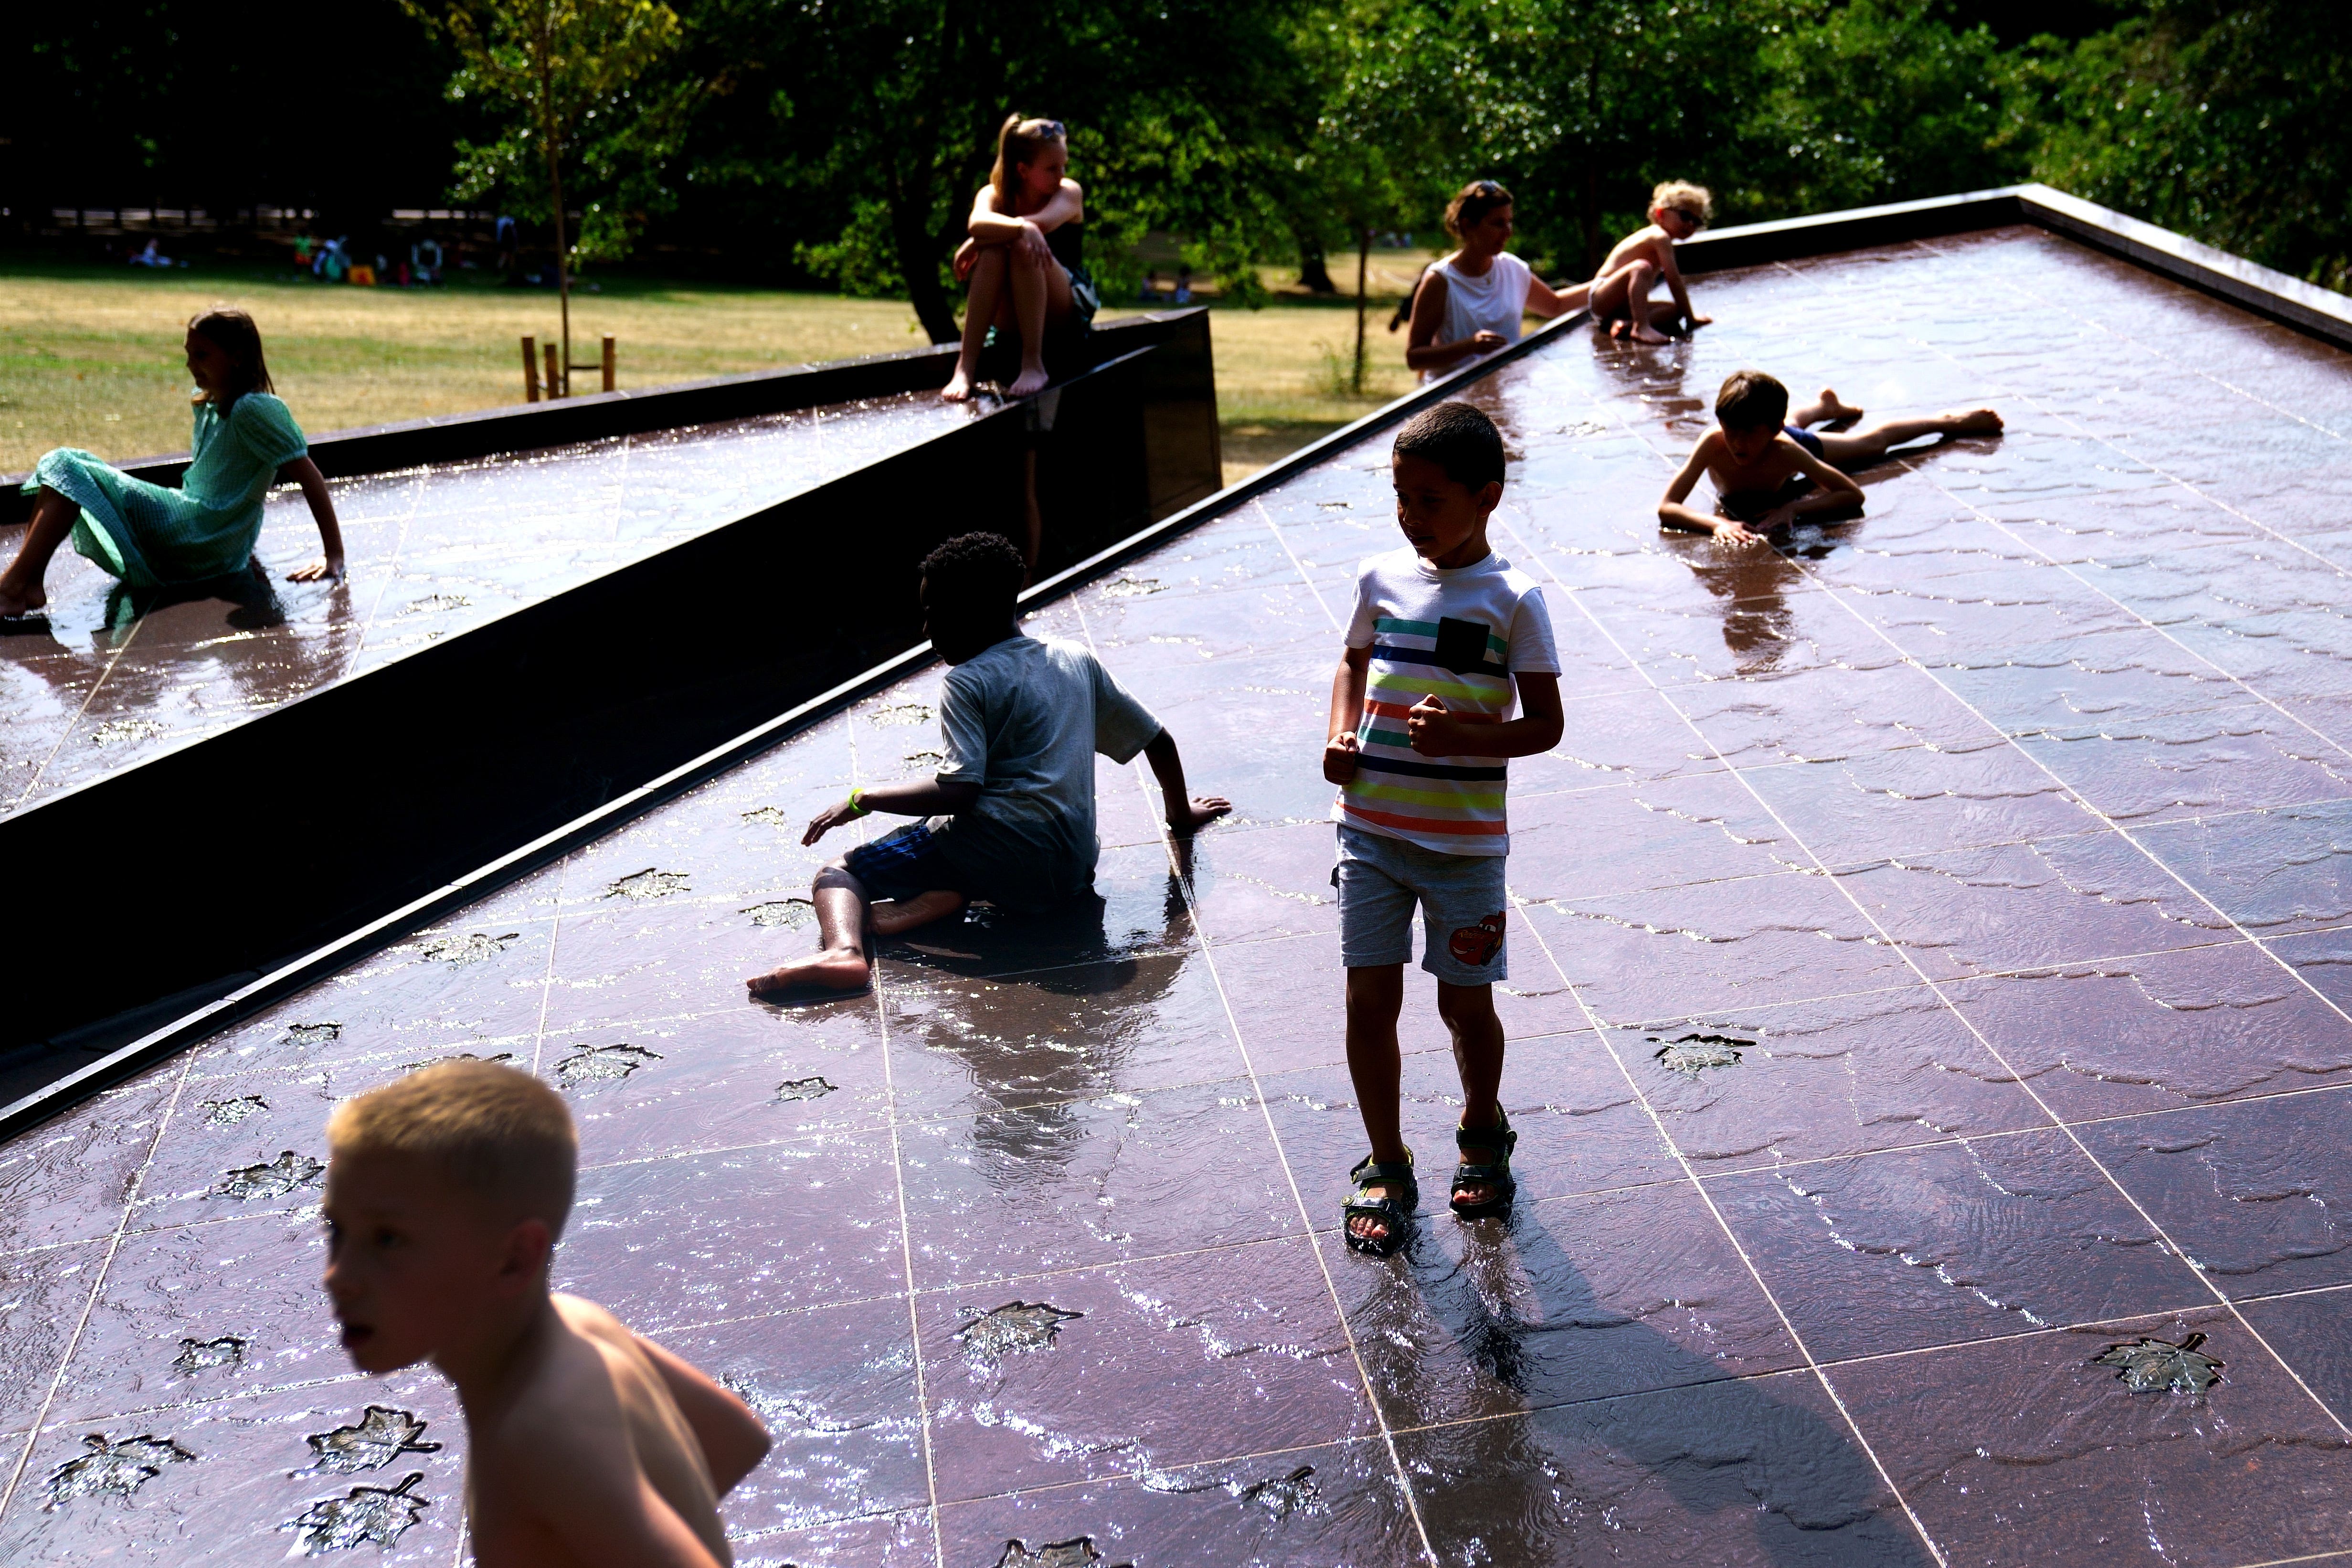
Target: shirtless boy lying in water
(445, 1191)
(1768, 469)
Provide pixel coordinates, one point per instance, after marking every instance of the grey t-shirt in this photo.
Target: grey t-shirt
(1023, 719)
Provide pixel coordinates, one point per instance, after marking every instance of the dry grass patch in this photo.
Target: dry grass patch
(90, 357)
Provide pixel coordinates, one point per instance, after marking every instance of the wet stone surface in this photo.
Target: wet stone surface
(1930, 963)
(106, 680)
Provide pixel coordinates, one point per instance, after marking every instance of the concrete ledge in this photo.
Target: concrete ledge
(596, 416)
(337, 810)
(2307, 308)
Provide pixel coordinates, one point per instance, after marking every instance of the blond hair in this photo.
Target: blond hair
(1019, 141)
(1693, 201)
(495, 1132)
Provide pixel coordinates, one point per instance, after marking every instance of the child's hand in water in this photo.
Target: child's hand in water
(1197, 813)
(1339, 758)
(325, 569)
(831, 818)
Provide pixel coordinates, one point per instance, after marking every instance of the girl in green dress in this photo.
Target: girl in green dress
(152, 536)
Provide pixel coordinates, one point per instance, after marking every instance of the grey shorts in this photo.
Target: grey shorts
(1461, 898)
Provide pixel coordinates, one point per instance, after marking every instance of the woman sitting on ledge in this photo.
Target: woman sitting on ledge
(1469, 303)
(153, 536)
(1024, 260)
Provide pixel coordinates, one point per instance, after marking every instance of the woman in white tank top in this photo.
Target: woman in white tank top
(1471, 303)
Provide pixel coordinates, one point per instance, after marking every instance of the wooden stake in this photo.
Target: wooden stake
(612, 362)
(555, 383)
(530, 369)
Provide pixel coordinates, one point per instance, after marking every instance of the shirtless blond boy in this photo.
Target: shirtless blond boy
(1770, 469)
(586, 1445)
(1644, 258)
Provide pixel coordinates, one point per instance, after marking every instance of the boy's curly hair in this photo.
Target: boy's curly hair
(1751, 399)
(975, 576)
(1458, 438)
(1694, 202)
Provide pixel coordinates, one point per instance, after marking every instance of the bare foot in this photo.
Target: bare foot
(888, 917)
(1835, 410)
(1033, 378)
(1364, 1227)
(1976, 422)
(16, 602)
(828, 970)
(1617, 328)
(1643, 333)
(958, 389)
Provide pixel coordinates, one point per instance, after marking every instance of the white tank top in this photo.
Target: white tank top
(1491, 303)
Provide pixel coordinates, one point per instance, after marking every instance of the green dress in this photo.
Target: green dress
(150, 535)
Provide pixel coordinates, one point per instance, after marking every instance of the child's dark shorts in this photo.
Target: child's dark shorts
(1461, 898)
(903, 863)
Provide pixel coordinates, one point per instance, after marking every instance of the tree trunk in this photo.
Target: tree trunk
(919, 263)
(1593, 250)
(1364, 264)
(1314, 275)
(562, 245)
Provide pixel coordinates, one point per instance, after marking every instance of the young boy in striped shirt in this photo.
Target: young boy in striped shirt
(1445, 635)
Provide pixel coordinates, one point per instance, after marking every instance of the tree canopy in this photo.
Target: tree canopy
(839, 142)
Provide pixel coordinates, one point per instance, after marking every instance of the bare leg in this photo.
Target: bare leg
(1640, 278)
(840, 964)
(979, 313)
(21, 590)
(1606, 300)
(1872, 442)
(1375, 997)
(1041, 296)
(1469, 1014)
(1826, 409)
(888, 917)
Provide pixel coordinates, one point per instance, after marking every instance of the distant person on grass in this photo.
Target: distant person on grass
(1470, 303)
(1025, 260)
(1645, 258)
(1444, 639)
(447, 1191)
(153, 536)
(1768, 469)
(1012, 810)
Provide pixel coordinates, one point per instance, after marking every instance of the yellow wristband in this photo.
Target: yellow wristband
(857, 801)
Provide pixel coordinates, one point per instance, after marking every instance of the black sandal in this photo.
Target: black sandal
(1495, 1176)
(1393, 1208)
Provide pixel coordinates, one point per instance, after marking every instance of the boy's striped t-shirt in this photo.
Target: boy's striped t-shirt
(1459, 634)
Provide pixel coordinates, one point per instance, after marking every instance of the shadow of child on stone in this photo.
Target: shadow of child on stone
(1624, 1428)
(1038, 1030)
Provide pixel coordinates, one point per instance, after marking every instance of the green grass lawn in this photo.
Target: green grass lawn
(89, 355)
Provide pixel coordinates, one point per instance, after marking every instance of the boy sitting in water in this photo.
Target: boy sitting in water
(1768, 469)
(1642, 260)
(446, 1192)
(1012, 810)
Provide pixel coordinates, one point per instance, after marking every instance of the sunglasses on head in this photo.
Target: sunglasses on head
(1051, 130)
(1486, 188)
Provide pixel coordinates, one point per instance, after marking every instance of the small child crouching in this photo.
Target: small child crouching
(446, 1192)
(1011, 813)
(1645, 258)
